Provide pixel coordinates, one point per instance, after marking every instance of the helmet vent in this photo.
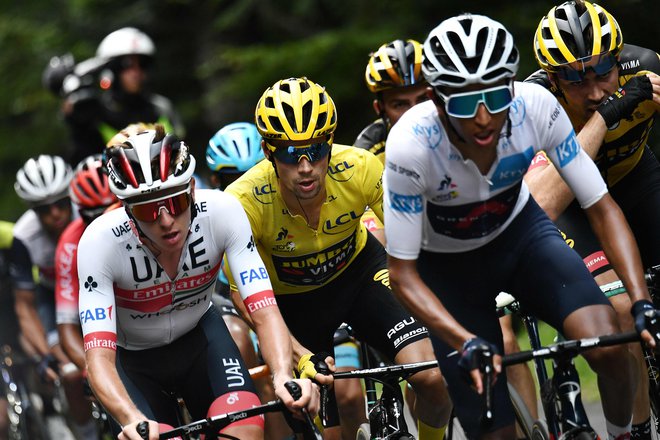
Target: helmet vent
(498, 51)
(466, 24)
(276, 124)
(456, 42)
(307, 113)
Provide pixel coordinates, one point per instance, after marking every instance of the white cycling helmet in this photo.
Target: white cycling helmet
(469, 49)
(43, 179)
(125, 41)
(148, 162)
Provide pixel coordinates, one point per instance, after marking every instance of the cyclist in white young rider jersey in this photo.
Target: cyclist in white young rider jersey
(147, 273)
(461, 225)
(42, 182)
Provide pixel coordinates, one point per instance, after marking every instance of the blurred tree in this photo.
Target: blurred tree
(215, 57)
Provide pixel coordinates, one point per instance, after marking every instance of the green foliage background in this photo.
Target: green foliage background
(216, 57)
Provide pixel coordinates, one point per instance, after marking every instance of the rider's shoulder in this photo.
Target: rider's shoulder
(6, 234)
(28, 226)
(634, 59)
(111, 227)
(373, 134)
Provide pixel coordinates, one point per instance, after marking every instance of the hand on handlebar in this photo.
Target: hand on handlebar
(474, 354)
(647, 321)
(308, 401)
(48, 368)
(317, 367)
(140, 430)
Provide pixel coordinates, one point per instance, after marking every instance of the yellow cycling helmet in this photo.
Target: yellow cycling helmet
(574, 31)
(295, 109)
(394, 64)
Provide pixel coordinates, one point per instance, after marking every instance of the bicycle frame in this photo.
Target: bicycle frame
(386, 415)
(564, 352)
(560, 393)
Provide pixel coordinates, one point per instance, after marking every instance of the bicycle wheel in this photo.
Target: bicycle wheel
(582, 434)
(654, 392)
(523, 416)
(540, 431)
(363, 432)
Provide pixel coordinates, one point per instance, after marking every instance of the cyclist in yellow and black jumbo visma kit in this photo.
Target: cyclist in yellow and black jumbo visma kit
(611, 94)
(304, 204)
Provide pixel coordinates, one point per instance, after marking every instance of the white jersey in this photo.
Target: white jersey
(127, 299)
(437, 201)
(41, 247)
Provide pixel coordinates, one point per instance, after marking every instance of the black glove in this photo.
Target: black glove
(646, 318)
(472, 356)
(624, 101)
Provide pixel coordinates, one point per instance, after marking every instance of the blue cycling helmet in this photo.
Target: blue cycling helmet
(235, 148)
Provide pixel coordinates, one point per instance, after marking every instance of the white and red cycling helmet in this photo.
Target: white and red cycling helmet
(89, 189)
(149, 162)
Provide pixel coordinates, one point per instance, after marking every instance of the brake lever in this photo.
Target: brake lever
(295, 391)
(142, 428)
(487, 369)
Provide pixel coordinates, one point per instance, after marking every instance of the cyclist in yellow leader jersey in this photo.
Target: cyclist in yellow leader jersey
(304, 204)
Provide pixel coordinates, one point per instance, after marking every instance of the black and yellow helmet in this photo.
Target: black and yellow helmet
(575, 30)
(394, 64)
(295, 109)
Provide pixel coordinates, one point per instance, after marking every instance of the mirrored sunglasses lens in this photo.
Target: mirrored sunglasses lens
(463, 106)
(605, 65)
(149, 212)
(292, 154)
(498, 100)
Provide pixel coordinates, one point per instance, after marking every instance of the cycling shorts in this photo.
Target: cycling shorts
(200, 366)
(360, 297)
(529, 260)
(638, 195)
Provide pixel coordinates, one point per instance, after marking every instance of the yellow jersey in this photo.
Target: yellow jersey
(299, 258)
(624, 142)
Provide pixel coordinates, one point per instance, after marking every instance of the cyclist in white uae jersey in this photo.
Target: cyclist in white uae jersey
(455, 204)
(146, 277)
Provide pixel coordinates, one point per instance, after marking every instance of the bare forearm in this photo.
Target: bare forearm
(549, 190)
(110, 391)
(72, 343)
(274, 341)
(240, 307)
(546, 185)
(29, 322)
(620, 247)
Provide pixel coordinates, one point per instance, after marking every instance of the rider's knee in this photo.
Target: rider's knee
(430, 385)
(350, 396)
(614, 359)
